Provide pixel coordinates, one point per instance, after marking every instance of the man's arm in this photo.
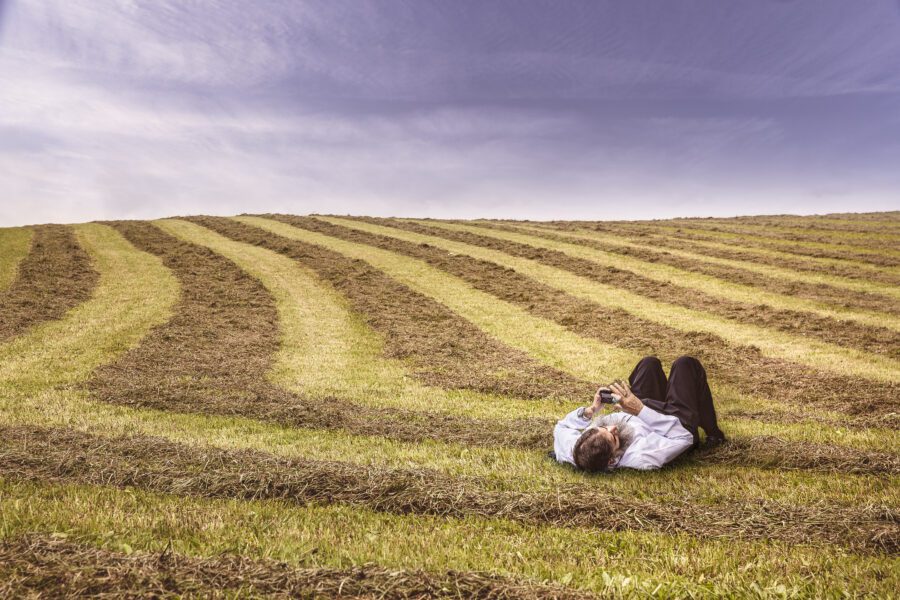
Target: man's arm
(668, 437)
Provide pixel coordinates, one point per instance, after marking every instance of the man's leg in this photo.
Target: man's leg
(689, 398)
(648, 382)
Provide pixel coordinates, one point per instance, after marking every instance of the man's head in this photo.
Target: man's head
(601, 445)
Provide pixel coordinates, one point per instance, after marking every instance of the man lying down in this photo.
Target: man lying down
(645, 434)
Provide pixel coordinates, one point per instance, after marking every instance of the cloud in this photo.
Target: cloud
(126, 109)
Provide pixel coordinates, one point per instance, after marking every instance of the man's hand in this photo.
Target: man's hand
(594, 407)
(629, 403)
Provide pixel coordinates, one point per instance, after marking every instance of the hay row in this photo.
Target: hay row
(757, 256)
(884, 239)
(50, 567)
(841, 292)
(55, 276)
(824, 224)
(442, 349)
(815, 250)
(68, 456)
(212, 357)
(847, 333)
(744, 368)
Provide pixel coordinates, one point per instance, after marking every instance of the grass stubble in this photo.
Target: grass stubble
(745, 368)
(115, 459)
(44, 566)
(55, 276)
(214, 354)
(64, 456)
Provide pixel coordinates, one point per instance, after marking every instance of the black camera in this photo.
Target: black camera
(606, 396)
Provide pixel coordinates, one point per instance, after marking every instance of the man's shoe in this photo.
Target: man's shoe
(713, 441)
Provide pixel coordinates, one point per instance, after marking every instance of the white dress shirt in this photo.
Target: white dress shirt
(658, 438)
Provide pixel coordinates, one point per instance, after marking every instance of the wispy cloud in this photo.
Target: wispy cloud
(126, 109)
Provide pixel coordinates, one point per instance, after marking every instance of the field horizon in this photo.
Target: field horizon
(277, 405)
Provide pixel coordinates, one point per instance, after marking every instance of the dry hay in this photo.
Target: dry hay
(213, 355)
(742, 367)
(787, 261)
(880, 340)
(443, 349)
(155, 464)
(54, 277)
(49, 567)
(691, 232)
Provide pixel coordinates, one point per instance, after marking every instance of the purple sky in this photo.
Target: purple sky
(521, 109)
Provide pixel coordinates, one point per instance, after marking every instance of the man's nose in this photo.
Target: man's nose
(614, 430)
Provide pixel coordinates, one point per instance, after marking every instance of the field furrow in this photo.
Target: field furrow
(66, 456)
(623, 564)
(440, 347)
(710, 292)
(598, 312)
(864, 256)
(42, 564)
(55, 276)
(15, 242)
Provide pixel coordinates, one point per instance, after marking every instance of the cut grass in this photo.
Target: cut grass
(667, 274)
(134, 293)
(42, 565)
(819, 355)
(549, 342)
(867, 256)
(876, 340)
(790, 275)
(440, 347)
(760, 255)
(15, 243)
(883, 241)
(68, 456)
(54, 276)
(327, 351)
(624, 563)
(583, 320)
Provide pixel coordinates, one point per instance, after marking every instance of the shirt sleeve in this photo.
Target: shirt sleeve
(668, 438)
(566, 433)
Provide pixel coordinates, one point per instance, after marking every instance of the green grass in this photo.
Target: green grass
(737, 237)
(709, 285)
(785, 274)
(810, 352)
(624, 563)
(135, 292)
(14, 245)
(327, 349)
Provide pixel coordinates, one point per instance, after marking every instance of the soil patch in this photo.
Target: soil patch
(38, 565)
(68, 456)
(738, 366)
(442, 348)
(53, 278)
(213, 355)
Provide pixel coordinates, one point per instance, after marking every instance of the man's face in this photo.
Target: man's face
(611, 434)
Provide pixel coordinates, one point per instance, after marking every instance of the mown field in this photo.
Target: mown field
(283, 405)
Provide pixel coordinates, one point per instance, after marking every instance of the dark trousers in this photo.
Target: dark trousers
(685, 394)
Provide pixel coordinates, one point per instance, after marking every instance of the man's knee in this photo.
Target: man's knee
(649, 361)
(686, 362)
